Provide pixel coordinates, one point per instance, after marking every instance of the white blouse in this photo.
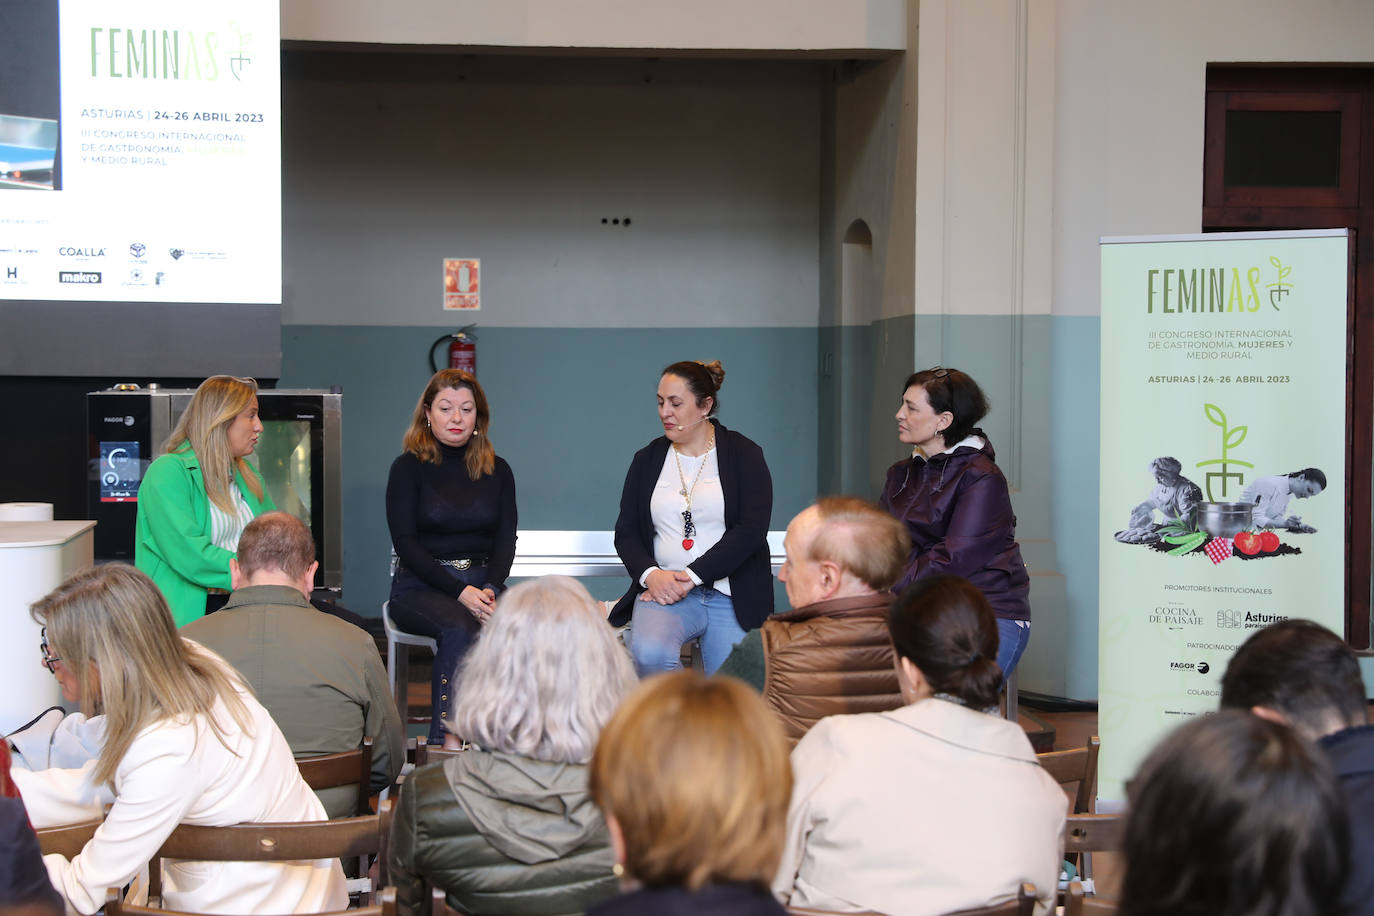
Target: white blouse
(708, 512)
(226, 529)
(180, 772)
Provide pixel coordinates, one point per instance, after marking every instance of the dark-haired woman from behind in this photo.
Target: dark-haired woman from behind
(955, 501)
(937, 806)
(1235, 815)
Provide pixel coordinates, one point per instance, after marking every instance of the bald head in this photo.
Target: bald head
(842, 546)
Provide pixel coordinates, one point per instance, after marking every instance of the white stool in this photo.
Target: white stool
(398, 662)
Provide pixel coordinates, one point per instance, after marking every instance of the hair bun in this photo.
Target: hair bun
(716, 370)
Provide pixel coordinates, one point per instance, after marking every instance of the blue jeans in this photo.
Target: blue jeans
(659, 630)
(1011, 642)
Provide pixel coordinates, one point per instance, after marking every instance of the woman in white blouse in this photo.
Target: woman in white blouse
(186, 742)
(693, 529)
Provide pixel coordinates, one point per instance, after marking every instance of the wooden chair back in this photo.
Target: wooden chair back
(439, 904)
(348, 836)
(431, 753)
(1077, 903)
(67, 840)
(1022, 905)
(346, 768)
(385, 905)
(1078, 765)
(1093, 832)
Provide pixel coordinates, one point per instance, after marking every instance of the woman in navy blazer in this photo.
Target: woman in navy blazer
(693, 529)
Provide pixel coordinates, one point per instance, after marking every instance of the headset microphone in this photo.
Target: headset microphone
(690, 425)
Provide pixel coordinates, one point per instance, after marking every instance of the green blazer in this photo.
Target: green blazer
(172, 535)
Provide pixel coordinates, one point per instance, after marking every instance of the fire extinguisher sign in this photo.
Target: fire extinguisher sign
(461, 287)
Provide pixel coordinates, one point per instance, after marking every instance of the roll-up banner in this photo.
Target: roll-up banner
(1223, 466)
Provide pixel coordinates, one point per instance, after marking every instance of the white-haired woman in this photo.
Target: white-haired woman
(186, 743)
(196, 499)
(509, 826)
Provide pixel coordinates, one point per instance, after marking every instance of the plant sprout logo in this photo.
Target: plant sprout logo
(241, 59)
(1231, 437)
(1278, 289)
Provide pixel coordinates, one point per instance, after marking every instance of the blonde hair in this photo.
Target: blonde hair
(419, 439)
(859, 537)
(695, 771)
(204, 427)
(544, 676)
(110, 626)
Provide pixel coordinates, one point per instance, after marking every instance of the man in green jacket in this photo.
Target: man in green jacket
(320, 677)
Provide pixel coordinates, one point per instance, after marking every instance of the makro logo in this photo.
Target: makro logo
(68, 251)
(78, 276)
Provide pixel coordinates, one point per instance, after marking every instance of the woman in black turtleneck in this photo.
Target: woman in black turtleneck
(450, 505)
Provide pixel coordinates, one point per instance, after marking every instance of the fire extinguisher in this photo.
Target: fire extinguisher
(462, 350)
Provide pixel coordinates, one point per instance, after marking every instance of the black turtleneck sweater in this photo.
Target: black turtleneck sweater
(435, 512)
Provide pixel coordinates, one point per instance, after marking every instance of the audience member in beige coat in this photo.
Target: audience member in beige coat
(935, 807)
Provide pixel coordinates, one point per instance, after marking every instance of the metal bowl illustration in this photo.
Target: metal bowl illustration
(1225, 520)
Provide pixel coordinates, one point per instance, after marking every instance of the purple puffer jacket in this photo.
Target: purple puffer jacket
(958, 511)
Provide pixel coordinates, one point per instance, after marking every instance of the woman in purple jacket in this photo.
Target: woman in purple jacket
(955, 502)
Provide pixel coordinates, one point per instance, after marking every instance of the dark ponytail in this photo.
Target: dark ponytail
(945, 626)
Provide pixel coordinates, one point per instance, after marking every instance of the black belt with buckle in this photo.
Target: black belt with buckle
(465, 562)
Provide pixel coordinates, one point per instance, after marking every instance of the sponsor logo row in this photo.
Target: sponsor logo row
(1178, 617)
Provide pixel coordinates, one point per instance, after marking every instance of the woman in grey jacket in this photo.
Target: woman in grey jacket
(508, 826)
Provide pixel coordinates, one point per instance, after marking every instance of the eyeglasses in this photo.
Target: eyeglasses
(48, 660)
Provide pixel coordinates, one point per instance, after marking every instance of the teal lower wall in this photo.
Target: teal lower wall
(570, 406)
(569, 409)
(1075, 428)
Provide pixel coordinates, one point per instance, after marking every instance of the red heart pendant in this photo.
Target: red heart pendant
(687, 543)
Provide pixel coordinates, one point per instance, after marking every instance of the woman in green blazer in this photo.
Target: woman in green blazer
(196, 499)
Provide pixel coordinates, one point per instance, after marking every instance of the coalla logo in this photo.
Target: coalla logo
(67, 251)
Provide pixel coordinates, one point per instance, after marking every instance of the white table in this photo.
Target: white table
(34, 559)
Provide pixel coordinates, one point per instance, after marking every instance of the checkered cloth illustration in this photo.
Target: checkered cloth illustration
(1218, 549)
